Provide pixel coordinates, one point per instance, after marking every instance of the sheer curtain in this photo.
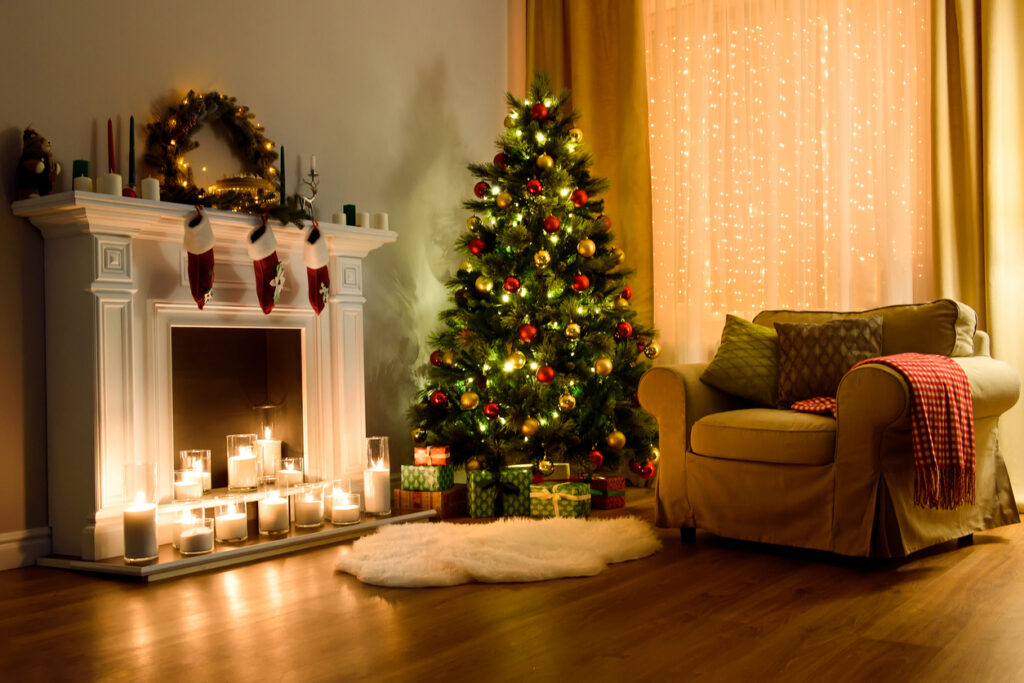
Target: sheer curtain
(790, 159)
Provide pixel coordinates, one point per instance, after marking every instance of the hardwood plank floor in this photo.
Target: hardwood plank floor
(716, 610)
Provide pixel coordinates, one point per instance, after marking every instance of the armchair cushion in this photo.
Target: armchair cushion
(746, 362)
(766, 435)
(813, 358)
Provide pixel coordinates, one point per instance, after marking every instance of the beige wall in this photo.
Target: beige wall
(394, 98)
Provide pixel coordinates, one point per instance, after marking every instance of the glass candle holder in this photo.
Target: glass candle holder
(308, 502)
(199, 462)
(268, 450)
(140, 514)
(185, 518)
(290, 472)
(377, 476)
(273, 512)
(231, 522)
(243, 465)
(188, 485)
(345, 508)
(198, 538)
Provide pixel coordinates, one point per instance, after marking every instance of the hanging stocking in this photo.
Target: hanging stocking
(199, 246)
(269, 269)
(314, 255)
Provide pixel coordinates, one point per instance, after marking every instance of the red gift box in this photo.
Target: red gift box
(439, 455)
(607, 493)
(421, 455)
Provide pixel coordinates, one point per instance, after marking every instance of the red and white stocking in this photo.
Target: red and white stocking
(199, 246)
(268, 268)
(314, 255)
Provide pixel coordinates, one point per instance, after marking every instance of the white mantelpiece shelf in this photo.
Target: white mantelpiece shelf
(116, 284)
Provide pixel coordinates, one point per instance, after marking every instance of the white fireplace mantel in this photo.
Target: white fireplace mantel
(116, 283)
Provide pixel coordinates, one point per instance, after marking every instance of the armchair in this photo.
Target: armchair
(843, 485)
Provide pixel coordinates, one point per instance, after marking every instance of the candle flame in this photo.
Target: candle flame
(377, 463)
(245, 451)
(266, 433)
(140, 497)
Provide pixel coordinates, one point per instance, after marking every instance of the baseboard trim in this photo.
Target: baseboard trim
(23, 548)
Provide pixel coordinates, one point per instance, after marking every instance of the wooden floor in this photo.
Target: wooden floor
(716, 610)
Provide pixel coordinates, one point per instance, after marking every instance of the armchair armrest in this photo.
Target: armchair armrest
(675, 396)
(995, 385)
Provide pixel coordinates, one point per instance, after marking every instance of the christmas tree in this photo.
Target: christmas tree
(539, 357)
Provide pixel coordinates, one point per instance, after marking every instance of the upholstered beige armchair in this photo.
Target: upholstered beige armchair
(843, 485)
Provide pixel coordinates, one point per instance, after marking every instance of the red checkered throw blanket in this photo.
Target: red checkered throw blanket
(941, 422)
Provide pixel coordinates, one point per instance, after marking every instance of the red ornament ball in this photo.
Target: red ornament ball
(604, 223)
(635, 466)
(511, 283)
(545, 374)
(438, 398)
(527, 332)
(641, 344)
(534, 187)
(538, 478)
(623, 330)
(539, 111)
(581, 283)
(501, 160)
(477, 246)
(646, 470)
(627, 293)
(597, 458)
(492, 410)
(435, 359)
(636, 398)
(480, 189)
(579, 198)
(552, 224)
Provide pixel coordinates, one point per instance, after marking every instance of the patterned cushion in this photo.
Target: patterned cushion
(746, 363)
(813, 358)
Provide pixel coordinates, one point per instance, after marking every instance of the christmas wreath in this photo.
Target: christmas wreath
(169, 139)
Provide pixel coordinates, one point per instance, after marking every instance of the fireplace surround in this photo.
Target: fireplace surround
(116, 286)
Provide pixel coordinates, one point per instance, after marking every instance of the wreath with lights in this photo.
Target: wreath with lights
(257, 191)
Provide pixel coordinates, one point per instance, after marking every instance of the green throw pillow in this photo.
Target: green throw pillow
(746, 363)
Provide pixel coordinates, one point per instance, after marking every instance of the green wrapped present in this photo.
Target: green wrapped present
(568, 499)
(427, 477)
(513, 485)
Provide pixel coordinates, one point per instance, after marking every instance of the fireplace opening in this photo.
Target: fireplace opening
(228, 380)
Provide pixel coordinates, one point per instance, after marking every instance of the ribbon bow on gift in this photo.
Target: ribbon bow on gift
(278, 282)
(504, 488)
(554, 495)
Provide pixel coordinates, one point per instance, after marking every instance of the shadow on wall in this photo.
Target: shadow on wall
(22, 350)
(405, 280)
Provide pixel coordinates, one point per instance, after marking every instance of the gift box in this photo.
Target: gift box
(421, 455)
(427, 478)
(607, 493)
(559, 472)
(439, 455)
(447, 504)
(567, 499)
(513, 485)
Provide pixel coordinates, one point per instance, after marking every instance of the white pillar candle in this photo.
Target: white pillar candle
(140, 532)
(377, 491)
(289, 476)
(380, 221)
(231, 526)
(338, 218)
(363, 219)
(270, 451)
(151, 189)
(242, 469)
(196, 539)
(344, 513)
(273, 515)
(189, 489)
(309, 511)
(110, 183)
(82, 183)
(184, 521)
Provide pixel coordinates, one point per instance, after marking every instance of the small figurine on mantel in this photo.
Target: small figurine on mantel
(37, 169)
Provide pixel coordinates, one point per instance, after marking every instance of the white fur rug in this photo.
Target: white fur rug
(514, 549)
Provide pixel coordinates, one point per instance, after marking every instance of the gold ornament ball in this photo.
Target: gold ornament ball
(418, 435)
(622, 303)
(510, 121)
(530, 426)
(572, 331)
(542, 258)
(544, 161)
(469, 400)
(484, 284)
(503, 200)
(586, 248)
(517, 359)
(466, 266)
(545, 467)
(654, 455)
(566, 402)
(473, 224)
(575, 134)
(617, 440)
(652, 350)
(473, 465)
(448, 358)
(620, 255)
(603, 366)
